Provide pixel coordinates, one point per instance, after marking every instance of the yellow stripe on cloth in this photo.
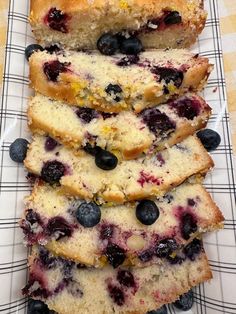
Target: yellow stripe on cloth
(3, 31)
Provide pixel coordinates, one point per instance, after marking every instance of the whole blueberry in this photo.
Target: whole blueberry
(52, 171)
(173, 18)
(18, 149)
(162, 310)
(131, 46)
(37, 307)
(108, 44)
(31, 49)
(88, 214)
(115, 255)
(185, 301)
(188, 225)
(209, 138)
(115, 91)
(147, 212)
(105, 160)
(166, 247)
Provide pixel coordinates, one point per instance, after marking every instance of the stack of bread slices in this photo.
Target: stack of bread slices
(118, 209)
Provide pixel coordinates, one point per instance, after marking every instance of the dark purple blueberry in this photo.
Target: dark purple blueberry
(166, 247)
(188, 225)
(52, 69)
(86, 115)
(157, 121)
(126, 278)
(59, 228)
(210, 139)
(115, 91)
(52, 171)
(53, 49)
(37, 307)
(108, 44)
(191, 202)
(146, 256)
(32, 217)
(18, 150)
(106, 232)
(75, 289)
(31, 49)
(105, 160)
(168, 75)
(128, 60)
(186, 108)
(46, 260)
(50, 144)
(162, 310)
(173, 18)
(115, 255)
(185, 301)
(57, 20)
(88, 214)
(147, 212)
(131, 46)
(107, 115)
(116, 294)
(193, 249)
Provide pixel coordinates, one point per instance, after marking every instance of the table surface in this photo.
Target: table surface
(228, 31)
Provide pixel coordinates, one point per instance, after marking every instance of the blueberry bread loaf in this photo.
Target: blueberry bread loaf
(116, 83)
(140, 232)
(80, 24)
(127, 132)
(70, 288)
(88, 177)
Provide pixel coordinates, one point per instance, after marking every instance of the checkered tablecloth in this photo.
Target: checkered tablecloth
(218, 297)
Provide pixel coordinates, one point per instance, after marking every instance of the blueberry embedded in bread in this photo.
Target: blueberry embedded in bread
(67, 287)
(107, 83)
(163, 24)
(95, 235)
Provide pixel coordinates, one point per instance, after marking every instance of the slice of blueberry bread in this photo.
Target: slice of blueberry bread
(116, 83)
(82, 24)
(70, 288)
(136, 233)
(100, 176)
(127, 132)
